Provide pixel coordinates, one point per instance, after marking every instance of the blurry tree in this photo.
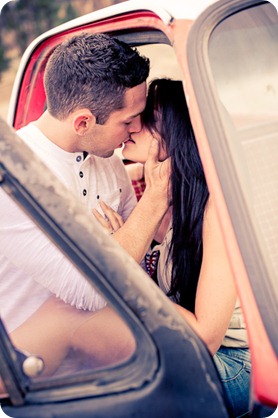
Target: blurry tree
(4, 59)
(29, 18)
(70, 12)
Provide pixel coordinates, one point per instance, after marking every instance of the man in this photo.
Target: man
(96, 90)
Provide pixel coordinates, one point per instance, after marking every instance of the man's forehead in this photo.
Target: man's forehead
(135, 96)
(134, 102)
(131, 111)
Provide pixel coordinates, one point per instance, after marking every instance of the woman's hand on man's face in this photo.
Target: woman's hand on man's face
(158, 173)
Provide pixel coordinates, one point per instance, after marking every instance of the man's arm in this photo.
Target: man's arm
(32, 254)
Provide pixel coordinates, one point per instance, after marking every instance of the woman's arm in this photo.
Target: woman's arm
(216, 294)
(144, 221)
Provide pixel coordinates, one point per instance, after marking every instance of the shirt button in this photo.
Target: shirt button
(81, 174)
(84, 192)
(78, 158)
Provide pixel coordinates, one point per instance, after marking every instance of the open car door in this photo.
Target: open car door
(221, 51)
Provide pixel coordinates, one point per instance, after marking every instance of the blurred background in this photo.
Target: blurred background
(21, 21)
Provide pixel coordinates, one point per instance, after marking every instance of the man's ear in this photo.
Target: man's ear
(83, 120)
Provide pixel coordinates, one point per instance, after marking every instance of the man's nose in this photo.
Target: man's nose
(136, 125)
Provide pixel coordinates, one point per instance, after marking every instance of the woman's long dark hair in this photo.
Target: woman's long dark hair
(189, 187)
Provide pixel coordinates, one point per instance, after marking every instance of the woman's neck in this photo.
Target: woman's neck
(164, 226)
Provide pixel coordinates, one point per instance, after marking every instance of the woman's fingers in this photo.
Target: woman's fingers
(113, 217)
(102, 220)
(112, 220)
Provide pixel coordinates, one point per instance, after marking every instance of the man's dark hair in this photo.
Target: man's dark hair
(92, 71)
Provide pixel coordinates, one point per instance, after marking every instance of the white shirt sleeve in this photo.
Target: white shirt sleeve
(29, 249)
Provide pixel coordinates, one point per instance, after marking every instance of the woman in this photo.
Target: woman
(192, 264)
